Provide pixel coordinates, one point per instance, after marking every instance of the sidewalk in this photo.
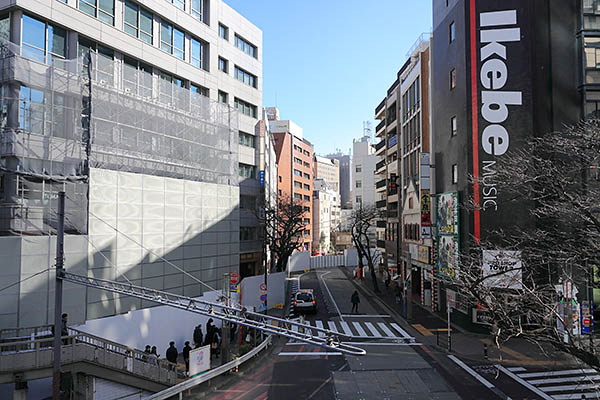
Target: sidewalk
(424, 325)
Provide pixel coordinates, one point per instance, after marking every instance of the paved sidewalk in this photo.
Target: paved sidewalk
(465, 344)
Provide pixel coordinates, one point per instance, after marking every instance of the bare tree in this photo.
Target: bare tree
(527, 288)
(362, 223)
(284, 229)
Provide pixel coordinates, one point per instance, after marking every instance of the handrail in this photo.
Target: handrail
(213, 373)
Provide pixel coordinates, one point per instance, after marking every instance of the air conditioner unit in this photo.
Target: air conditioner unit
(127, 90)
(102, 82)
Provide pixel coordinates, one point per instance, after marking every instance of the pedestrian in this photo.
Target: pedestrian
(64, 331)
(216, 340)
(198, 336)
(172, 353)
(153, 356)
(154, 351)
(232, 331)
(186, 357)
(355, 299)
(209, 332)
(147, 353)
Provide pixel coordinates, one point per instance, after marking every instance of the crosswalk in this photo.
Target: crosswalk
(294, 287)
(364, 329)
(564, 384)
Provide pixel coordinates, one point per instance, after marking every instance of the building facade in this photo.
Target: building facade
(328, 169)
(144, 114)
(499, 79)
(345, 161)
(364, 163)
(295, 171)
(326, 208)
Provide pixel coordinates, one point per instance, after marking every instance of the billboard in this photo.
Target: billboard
(447, 260)
(199, 360)
(447, 213)
(501, 64)
(503, 269)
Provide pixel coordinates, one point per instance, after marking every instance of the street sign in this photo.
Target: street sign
(234, 278)
(261, 178)
(263, 297)
(263, 287)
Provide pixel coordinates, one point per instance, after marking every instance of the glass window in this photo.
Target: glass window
(130, 16)
(452, 32)
(178, 3)
(358, 184)
(137, 22)
(137, 77)
(5, 27)
(247, 171)
(223, 97)
(223, 32)
(146, 26)
(455, 173)
(247, 139)
(245, 107)
(245, 77)
(223, 65)
(245, 46)
(104, 10)
(200, 10)
(297, 173)
(31, 110)
(453, 78)
(199, 50)
(166, 37)
(178, 44)
(453, 127)
(201, 90)
(43, 42)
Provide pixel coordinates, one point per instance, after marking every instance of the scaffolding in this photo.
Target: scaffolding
(61, 118)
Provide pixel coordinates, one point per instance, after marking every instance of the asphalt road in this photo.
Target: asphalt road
(393, 368)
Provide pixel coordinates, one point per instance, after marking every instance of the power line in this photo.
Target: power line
(23, 280)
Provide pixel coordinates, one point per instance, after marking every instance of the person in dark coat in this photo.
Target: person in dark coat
(209, 332)
(186, 357)
(355, 299)
(172, 353)
(198, 336)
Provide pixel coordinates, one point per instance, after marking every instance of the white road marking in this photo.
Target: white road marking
(516, 369)
(294, 328)
(385, 329)
(359, 329)
(586, 378)
(524, 383)
(371, 328)
(557, 373)
(346, 328)
(332, 326)
(320, 325)
(381, 344)
(575, 396)
(308, 353)
(471, 372)
(402, 331)
(364, 316)
(330, 295)
(564, 388)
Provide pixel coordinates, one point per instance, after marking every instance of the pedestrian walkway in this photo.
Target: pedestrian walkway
(365, 329)
(562, 384)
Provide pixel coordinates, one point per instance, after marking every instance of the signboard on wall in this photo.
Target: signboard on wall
(503, 269)
(199, 360)
(447, 213)
(447, 260)
(447, 235)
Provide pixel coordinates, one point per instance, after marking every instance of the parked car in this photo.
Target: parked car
(304, 301)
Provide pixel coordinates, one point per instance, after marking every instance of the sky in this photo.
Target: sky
(328, 63)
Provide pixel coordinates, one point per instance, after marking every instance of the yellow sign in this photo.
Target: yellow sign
(279, 306)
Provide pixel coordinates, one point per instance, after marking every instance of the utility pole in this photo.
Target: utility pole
(57, 348)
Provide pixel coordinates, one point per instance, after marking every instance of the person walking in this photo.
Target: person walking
(355, 299)
(209, 332)
(153, 356)
(186, 357)
(172, 353)
(198, 336)
(147, 353)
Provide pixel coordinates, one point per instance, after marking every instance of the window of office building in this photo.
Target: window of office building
(172, 40)
(452, 32)
(170, 87)
(307, 220)
(245, 77)
(298, 184)
(5, 27)
(104, 10)
(199, 51)
(306, 197)
(178, 3)
(453, 127)
(454, 173)
(137, 22)
(223, 65)
(247, 139)
(31, 110)
(223, 97)
(245, 107)
(247, 171)
(247, 233)
(358, 199)
(306, 186)
(297, 173)
(297, 160)
(104, 69)
(306, 176)
(43, 42)
(453, 78)
(200, 10)
(358, 184)
(245, 46)
(223, 32)
(297, 196)
(137, 77)
(359, 168)
(201, 90)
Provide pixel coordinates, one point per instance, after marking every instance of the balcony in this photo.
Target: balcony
(381, 223)
(392, 213)
(380, 145)
(379, 165)
(380, 126)
(381, 204)
(380, 106)
(380, 183)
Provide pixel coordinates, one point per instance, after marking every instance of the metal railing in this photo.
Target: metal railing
(380, 183)
(380, 126)
(381, 204)
(379, 165)
(31, 348)
(211, 374)
(380, 145)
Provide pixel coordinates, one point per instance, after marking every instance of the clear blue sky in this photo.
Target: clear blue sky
(328, 63)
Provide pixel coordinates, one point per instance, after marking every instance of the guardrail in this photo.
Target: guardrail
(213, 373)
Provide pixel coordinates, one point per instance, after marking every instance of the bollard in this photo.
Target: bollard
(485, 351)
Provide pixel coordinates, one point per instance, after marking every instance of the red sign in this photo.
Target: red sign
(234, 278)
(587, 322)
(263, 287)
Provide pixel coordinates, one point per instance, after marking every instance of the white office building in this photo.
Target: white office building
(364, 161)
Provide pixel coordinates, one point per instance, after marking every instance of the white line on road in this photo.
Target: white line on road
(308, 353)
(332, 326)
(381, 344)
(516, 369)
(330, 295)
(575, 396)
(320, 326)
(385, 329)
(557, 373)
(359, 329)
(371, 328)
(585, 378)
(346, 328)
(564, 388)
(402, 331)
(365, 316)
(524, 383)
(471, 372)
